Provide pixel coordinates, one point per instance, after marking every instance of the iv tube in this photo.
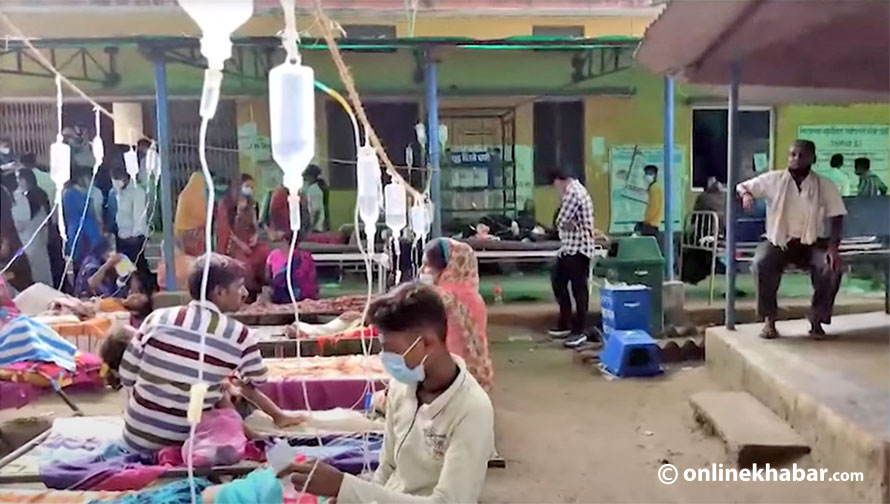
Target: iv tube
(59, 158)
(98, 156)
(217, 21)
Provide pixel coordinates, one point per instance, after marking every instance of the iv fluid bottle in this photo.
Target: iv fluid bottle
(368, 177)
(59, 163)
(396, 203)
(131, 162)
(418, 221)
(292, 120)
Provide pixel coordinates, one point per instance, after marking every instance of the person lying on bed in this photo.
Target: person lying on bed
(439, 430)
(161, 362)
(100, 276)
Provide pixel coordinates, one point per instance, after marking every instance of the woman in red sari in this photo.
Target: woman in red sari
(238, 231)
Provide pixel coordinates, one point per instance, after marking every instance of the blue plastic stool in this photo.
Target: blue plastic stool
(625, 307)
(631, 353)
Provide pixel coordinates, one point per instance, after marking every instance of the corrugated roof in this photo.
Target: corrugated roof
(795, 46)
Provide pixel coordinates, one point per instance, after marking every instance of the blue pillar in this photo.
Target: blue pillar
(668, 168)
(732, 172)
(163, 141)
(432, 134)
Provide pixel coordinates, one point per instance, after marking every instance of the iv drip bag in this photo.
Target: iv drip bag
(59, 163)
(292, 120)
(419, 223)
(131, 162)
(217, 20)
(396, 202)
(152, 161)
(99, 152)
(368, 178)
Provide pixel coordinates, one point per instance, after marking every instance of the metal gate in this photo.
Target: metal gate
(31, 126)
(222, 141)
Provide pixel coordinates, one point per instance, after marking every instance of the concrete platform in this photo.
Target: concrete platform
(752, 432)
(834, 393)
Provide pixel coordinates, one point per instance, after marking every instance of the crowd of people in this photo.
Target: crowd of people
(433, 331)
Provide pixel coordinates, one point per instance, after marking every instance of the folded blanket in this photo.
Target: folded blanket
(24, 339)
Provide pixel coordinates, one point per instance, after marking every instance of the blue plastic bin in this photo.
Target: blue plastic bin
(625, 307)
(631, 353)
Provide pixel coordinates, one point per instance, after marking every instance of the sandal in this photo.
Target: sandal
(769, 333)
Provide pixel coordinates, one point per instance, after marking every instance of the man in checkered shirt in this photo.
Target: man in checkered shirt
(575, 225)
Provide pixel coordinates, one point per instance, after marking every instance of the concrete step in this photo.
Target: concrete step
(752, 433)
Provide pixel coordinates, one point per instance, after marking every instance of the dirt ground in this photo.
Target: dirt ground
(570, 436)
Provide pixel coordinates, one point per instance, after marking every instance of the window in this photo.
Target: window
(709, 136)
(558, 31)
(559, 139)
(394, 124)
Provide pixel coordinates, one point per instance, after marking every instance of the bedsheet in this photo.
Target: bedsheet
(325, 423)
(24, 496)
(331, 382)
(84, 454)
(327, 306)
(24, 382)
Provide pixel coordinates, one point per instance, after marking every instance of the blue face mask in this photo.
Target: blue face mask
(395, 365)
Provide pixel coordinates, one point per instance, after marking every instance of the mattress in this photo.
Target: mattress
(327, 382)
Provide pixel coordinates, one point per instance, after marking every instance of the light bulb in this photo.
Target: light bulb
(217, 20)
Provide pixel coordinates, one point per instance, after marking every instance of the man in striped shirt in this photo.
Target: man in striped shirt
(161, 363)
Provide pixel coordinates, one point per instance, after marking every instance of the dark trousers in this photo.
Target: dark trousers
(646, 229)
(571, 269)
(769, 264)
(132, 248)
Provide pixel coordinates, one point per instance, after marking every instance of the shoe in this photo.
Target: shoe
(575, 341)
(559, 333)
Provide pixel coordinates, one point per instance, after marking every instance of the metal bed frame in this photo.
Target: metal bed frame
(702, 232)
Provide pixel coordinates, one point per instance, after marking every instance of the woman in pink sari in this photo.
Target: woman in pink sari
(451, 266)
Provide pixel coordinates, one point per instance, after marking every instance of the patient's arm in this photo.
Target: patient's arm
(260, 400)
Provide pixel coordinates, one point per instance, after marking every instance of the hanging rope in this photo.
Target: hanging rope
(327, 29)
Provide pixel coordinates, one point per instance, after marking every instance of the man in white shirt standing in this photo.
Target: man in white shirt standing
(439, 431)
(798, 202)
(131, 219)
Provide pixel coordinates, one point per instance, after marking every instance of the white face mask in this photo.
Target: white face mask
(117, 184)
(246, 191)
(427, 279)
(650, 178)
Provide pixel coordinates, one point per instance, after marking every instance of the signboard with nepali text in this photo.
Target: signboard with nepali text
(850, 141)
